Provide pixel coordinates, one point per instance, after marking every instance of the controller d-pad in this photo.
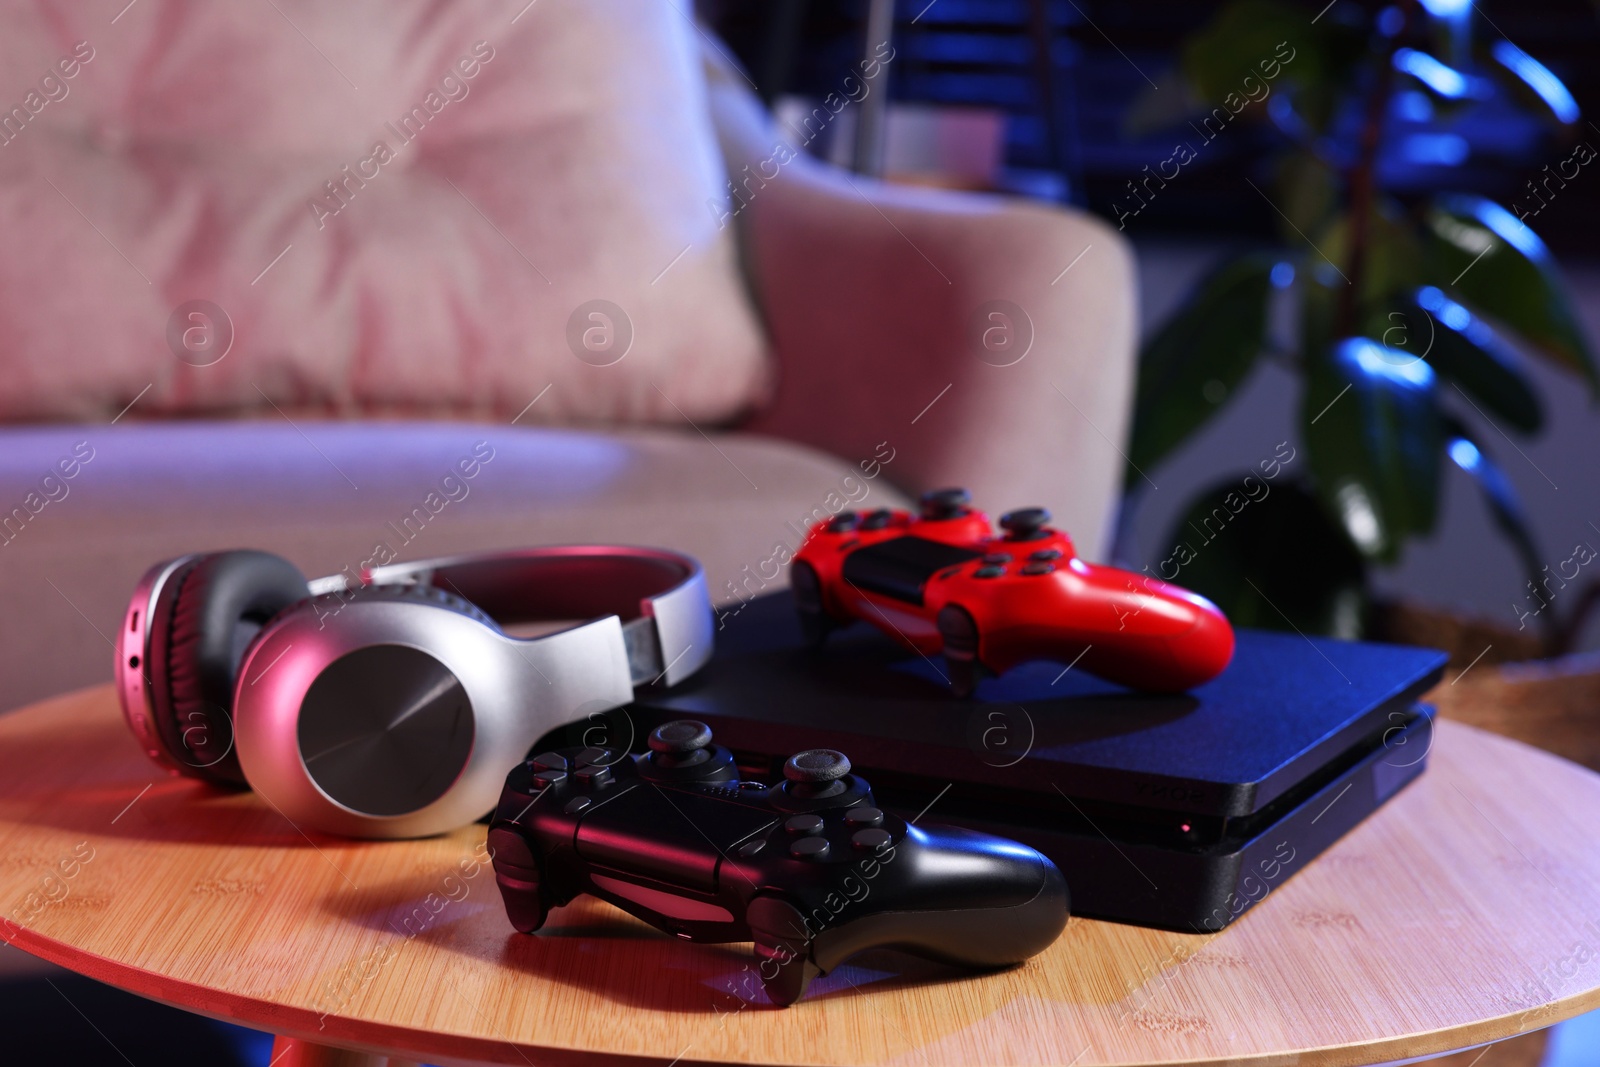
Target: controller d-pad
(876, 520)
(1045, 555)
(593, 777)
(546, 779)
(810, 848)
(549, 761)
(845, 520)
(997, 557)
(988, 571)
(1038, 568)
(595, 757)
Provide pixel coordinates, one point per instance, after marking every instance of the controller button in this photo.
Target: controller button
(940, 504)
(816, 765)
(1045, 555)
(988, 572)
(594, 757)
(752, 848)
(577, 804)
(861, 817)
(811, 848)
(546, 779)
(507, 847)
(877, 520)
(845, 520)
(679, 736)
(997, 557)
(871, 840)
(804, 824)
(549, 761)
(593, 777)
(1025, 524)
(1038, 568)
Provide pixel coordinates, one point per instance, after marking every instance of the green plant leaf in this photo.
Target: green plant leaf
(1531, 83)
(1480, 251)
(1465, 349)
(1192, 364)
(1466, 452)
(1308, 193)
(1275, 42)
(1268, 555)
(1372, 433)
(1393, 261)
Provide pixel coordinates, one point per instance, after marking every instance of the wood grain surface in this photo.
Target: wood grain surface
(1465, 911)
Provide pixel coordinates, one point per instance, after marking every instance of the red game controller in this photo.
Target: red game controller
(944, 583)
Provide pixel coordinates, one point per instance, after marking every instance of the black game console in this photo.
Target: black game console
(809, 868)
(1171, 811)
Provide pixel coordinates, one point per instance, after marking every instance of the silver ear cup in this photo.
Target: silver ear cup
(385, 730)
(384, 717)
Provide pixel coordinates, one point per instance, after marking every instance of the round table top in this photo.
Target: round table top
(1463, 912)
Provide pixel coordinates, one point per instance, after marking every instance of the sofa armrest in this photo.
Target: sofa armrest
(872, 295)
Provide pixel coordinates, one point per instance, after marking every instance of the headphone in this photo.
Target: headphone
(394, 708)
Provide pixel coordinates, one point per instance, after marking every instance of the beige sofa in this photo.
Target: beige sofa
(871, 299)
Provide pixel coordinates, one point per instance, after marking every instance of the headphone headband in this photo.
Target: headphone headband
(660, 596)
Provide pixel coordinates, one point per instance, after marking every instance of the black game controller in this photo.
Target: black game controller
(810, 870)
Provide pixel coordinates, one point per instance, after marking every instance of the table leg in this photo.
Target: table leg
(293, 1052)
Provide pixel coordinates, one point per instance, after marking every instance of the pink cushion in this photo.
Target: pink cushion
(535, 162)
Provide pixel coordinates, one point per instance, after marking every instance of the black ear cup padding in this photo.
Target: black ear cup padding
(220, 603)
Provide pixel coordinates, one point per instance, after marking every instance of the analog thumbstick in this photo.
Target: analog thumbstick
(816, 765)
(679, 737)
(1025, 524)
(945, 503)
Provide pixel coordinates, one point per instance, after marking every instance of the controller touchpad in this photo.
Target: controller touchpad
(900, 567)
(687, 834)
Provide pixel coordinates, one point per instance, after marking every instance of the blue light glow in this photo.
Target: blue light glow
(1435, 149)
(1465, 454)
(1283, 274)
(1441, 307)
(1446, 9)
(1538, 78)
(1446, 81)
(1399, 367)
(1510, 229)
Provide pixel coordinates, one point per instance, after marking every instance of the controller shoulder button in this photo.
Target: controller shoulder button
(810, 848)
(863, 817)
(871, 840)
(577, 804)
(804, 824)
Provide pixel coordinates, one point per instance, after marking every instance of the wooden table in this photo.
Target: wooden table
(1464, 912)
